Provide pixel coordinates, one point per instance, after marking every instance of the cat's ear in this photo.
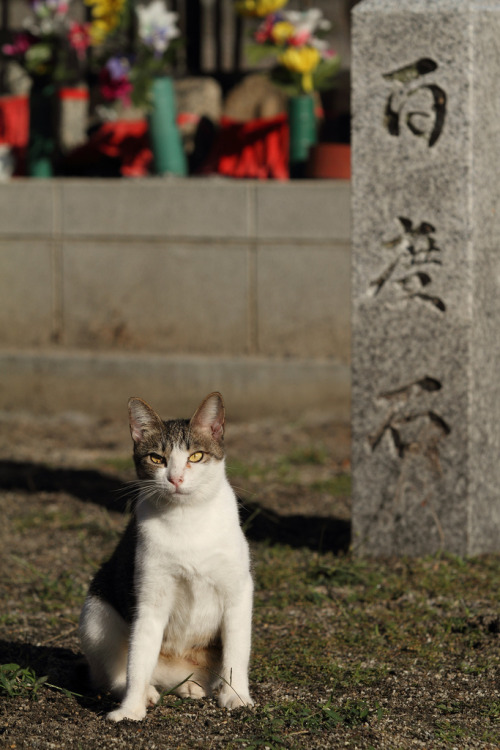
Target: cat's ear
(143, 419)
(209, 417)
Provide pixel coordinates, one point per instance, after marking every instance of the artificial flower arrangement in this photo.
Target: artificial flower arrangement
(51, 45)
(107, 16)
(304, 62)
(132, 47)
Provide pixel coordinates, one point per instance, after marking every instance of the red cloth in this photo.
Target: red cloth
(14, 128)
(258, 149)
(14, 120)
(122, 139)
(127, 140)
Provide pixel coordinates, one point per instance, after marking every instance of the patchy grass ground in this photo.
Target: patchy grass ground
(347, 652)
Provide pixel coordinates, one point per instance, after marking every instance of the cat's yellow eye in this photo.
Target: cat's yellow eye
(155, 458)
(195, 457)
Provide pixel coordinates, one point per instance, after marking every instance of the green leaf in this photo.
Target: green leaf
(256, 53)
(325, 73)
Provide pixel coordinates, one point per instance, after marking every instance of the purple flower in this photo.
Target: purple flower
(118, 67)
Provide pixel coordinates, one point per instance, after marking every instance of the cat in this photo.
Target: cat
(172, 608)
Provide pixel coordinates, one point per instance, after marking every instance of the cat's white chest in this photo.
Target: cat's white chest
(189, 575)
(196, 616)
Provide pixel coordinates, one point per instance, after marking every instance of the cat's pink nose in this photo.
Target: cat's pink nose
(176, 481)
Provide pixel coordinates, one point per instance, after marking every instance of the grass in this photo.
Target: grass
(117, 463)
(342, 628)
(292, 718)
(347, 652)
(16, 681)
(285, 469)
(46, 591)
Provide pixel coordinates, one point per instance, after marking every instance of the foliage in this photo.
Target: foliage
(281, 719)
(18, 682)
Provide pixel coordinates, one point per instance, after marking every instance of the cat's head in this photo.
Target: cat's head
(178, 458)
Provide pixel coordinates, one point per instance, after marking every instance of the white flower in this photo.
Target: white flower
(49, 17)
(157, 26)
(307, 22)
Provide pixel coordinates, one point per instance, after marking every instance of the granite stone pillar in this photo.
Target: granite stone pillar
(426, 277)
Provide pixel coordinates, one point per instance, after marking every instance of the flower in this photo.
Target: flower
(157, 39)
(106, 18)
(304, 61)
(47, 7)
(79, 38)
(20, 45)
(281, 32)
(48, 17)
(147, 46)
(114, 81)
(258, 8)
(157, 26)
(51, 45)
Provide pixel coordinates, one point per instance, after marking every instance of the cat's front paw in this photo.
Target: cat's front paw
(229, 698)
(152, 696)
(124, 712)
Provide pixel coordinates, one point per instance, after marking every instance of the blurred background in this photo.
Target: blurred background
(116, 281)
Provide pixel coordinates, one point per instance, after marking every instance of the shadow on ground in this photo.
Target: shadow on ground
(261, 524)
(63, 669)
(319, 533)
(85, 484)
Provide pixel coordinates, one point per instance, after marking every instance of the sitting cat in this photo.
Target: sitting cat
(174, 602)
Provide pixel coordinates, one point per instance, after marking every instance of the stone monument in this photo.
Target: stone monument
(426, 277)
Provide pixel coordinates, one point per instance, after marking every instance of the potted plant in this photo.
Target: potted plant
(303, 64)
(52, 50)
(135, 55)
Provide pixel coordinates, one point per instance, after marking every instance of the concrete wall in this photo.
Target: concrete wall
(170, 288)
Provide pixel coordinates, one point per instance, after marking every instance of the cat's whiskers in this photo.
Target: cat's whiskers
(149, 490)
(140, 490)
(244, 490)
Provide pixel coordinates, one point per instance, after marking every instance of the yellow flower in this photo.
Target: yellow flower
(259, 8)
(282, 32)
(106, 15)
(301, 60)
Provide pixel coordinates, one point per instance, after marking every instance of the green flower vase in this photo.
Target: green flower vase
(303, 132)
(166, 142)
(42, 141)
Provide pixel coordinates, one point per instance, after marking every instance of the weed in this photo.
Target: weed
(16, 681)
(9, 619)
(56, 593)
(53, 594)
(492, 711)
(449, 732)
(277, 721)
(314, 455)
(454, 707)
(337, 486)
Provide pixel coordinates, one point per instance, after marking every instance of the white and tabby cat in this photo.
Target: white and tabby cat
(174, 602)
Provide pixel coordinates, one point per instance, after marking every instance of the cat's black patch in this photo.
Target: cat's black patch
(113, 580)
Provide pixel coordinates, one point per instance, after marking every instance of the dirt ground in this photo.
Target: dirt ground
(396, 654)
